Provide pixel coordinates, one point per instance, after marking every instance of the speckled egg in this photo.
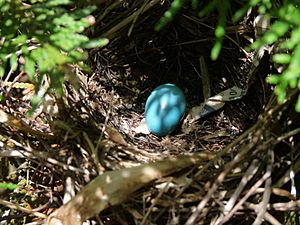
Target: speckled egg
(164, 109)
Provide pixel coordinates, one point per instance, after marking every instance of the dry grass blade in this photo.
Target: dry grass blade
(205, 78)
(114, 187)
(113, 31)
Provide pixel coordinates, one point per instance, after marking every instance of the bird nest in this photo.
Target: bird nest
(230, 166)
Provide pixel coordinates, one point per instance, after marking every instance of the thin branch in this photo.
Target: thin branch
(251, 171)
(267, 216)
(195, 215)
(244, 199)
(22, 209)
(266, 196)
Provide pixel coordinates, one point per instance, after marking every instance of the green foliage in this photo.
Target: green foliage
(47, 34)
(169, 14)
(264, 6)
(286, 32)
(9, 186)
(194, 3)
(220, 29)
(223, 8)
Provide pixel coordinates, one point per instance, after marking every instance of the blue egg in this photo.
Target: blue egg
(164, 109)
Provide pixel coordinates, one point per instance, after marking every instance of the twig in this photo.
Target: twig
(154, 202)
(251, 171)
(218, 156)
(110, 33)
(29, 153)
(286, 206)
(69, 189)
(212, 28)
(286, 177)
(107, 10)
(267, 216)
(100, 170)
(94, 153)
(279, 192)
(8, 75)
(22, 209)
(288, 134)
(244, 199)
(192, 219)
(139, 11)
(13, 82)
(266, 196)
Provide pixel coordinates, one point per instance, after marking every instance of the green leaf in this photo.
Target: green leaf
(267, 3)
(36, 100)
(30, 67)
(220, 31)
(297, 107)
(281, 94)
(13, 61)
(68, 41)
(294, 66)
(42, 60)
(194, 4)
(2, 71)
(280, 28)
(4, 7)
(41, 17)
(282, 58)
(99, 42)
(9, 186)
(277, 30)
(65, 19)
(293, 41)
(21, 39)
(290, 13)
(76, 55)
(52, 3)
(273, 79)
(288, 75)
(216, 50)
(293, 83)
(8, 22)
(208, 8)
(54, 56)
(242, 11)
(169, 14)
(270, 38)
